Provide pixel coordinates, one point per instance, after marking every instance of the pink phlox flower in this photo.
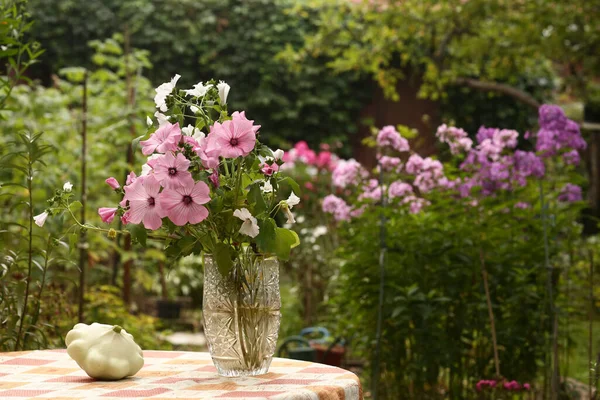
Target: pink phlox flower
(183, 204)
(166, 138)
(336, 206)
(348, 172)
(505, 138)
(571, 157)
(371, 191)
(388, 136)
(390, 163)
(415, 204)
(144, 203)
(107, 214)
(399, 189)
(414, 164)
(172, 171)
(526, 386)
(233, 138)
(570, 193)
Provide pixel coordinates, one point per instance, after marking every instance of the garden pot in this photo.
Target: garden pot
(241, 313)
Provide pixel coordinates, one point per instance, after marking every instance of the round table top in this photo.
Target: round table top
(52, 374)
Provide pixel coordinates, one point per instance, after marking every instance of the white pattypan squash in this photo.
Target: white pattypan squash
(104, 352)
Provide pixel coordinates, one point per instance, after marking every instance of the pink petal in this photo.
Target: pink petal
(137, 210)
(169, 198)
(152, 220)
(196, 213)
(181, 163)
(180, 214)
(200, 193)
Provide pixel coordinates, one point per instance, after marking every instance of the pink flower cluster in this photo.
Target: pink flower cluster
(336, 206)
(456, 138)
(511, 386)
(429, 173)
(348, 173)
(166, 187)
(325, 159)
(388, 136)
(558, 134)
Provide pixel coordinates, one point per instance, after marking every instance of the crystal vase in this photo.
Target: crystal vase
(241, 314)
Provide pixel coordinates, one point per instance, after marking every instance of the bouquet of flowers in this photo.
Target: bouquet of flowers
(210, 187)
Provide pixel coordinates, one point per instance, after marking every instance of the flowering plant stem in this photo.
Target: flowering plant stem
(488, 299)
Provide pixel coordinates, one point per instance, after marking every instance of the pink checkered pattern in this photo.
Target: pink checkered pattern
(51, 374)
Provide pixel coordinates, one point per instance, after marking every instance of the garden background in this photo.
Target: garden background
(497, 284)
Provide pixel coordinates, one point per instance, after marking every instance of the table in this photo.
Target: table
(51, 374)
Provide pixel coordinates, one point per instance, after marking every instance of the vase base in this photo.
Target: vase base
(232, 367)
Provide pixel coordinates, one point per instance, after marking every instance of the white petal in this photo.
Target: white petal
(223, 91)
(148, 121)
(290, 216)
(199, 90)
(67, 186)
(161, 118)
(242, 214)
(194, 109)
(40, 219)
(267, 187)
(278, 154)
(250, 228)
(293, 200)
(188, 130)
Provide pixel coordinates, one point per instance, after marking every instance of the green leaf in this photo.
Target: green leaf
(266, 239)
(256, 198)
(73, 238)
(139, 233)
(135, 143)
(285, 241)
(222, 254)
(74, 206)
(186, 244)
(292, 184)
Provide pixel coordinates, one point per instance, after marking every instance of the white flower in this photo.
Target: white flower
(190, 130)
(287, 205)
(267, 187)
(163, 91)
(40, 219)
(278, 154)
(68, 186)
(319, 231)
(293, 200)
(194, 109)
(199, 90)
(250, 225)
(161, 118)
(147, 168)
(148, 121)
(223, 91)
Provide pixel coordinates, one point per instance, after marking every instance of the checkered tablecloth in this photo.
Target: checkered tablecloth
(51, 374)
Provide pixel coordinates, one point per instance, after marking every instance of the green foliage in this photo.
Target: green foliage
(233, 40)
(104, 305)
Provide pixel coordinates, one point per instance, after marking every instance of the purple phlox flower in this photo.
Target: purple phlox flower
(528, 163)
(389, 137)
(415, 204)
(414, 164)
(572, 157)
(552, 117)
(485, 133)
(570, 193)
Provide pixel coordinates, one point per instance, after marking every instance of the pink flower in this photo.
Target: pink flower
(526, 386)
(389, 137)
(131, 178)
(399, 189)
(309, 186)
(208, 161)
(390, 163)
(166, 138)
(113, 183)
(184, 203)
(269, 169)
(107, 214)
(348, 172)
(414, 164)
(324, 159)
(233, 138)
(336, 206)
(144, 206)
(172, 171)
(214, 179)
